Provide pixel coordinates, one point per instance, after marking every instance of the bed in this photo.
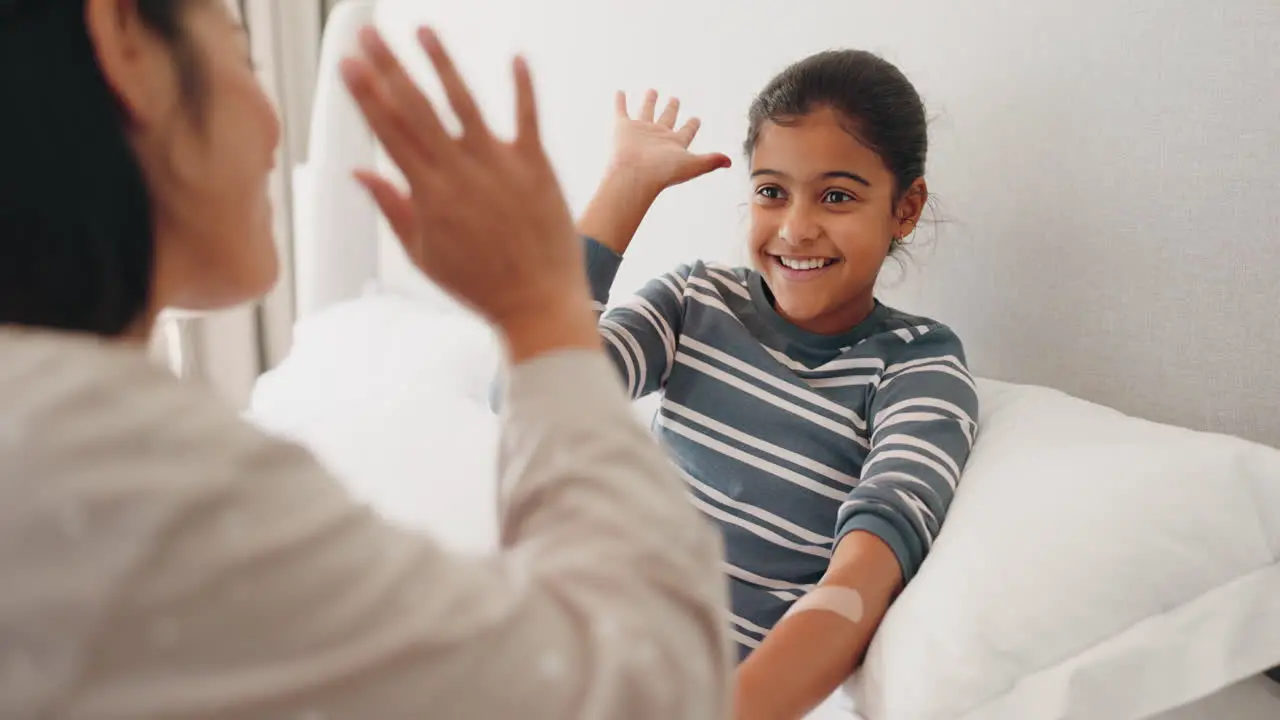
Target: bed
(1108, 178)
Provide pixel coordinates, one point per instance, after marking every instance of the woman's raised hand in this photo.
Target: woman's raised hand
(483, 217)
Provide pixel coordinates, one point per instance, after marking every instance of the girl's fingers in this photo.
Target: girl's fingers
(650, 104)
(377, 109)
(527, 133)
(396, 206)
(620, 105)
(460, 98)
(689, 131)
(669, 115)
(404, 96)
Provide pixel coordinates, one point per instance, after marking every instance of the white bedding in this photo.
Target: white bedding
(394, 400)
(371, 390)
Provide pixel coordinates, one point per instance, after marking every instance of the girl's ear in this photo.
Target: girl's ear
(909, 208)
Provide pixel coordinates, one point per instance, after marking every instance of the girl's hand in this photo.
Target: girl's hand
(653, 153)
(483, 218)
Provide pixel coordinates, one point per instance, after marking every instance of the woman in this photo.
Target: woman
(161, 559)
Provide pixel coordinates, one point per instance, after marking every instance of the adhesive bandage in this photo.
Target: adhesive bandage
(843, 601)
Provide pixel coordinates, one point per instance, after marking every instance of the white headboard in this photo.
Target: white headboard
(336, 224)
(1108, 173)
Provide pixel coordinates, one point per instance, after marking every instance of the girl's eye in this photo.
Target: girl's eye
(836, 197)
(769, 192)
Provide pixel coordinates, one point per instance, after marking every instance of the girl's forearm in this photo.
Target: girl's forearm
(809, 654)
(617, 209)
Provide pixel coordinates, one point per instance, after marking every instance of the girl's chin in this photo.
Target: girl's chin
(798, 311)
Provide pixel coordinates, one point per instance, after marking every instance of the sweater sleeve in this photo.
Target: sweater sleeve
(640, 335)
(921, 420)
(222, 573)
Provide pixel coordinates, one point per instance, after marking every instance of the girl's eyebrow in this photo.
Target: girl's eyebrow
(830, 174)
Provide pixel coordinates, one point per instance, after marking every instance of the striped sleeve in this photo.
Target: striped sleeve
(640, 334)
(921, 420)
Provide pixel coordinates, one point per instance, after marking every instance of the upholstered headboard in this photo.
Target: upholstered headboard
(1107, 174)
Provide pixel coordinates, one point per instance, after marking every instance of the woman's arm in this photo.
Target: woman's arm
(234, 579)
(224, 574)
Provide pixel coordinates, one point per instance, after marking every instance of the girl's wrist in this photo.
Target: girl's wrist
(631, 182)
(618, 207)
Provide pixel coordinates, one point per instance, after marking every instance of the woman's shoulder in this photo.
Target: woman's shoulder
(58, 388)
(141, 497)
(91, 419)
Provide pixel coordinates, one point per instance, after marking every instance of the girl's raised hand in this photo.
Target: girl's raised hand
(653, 151)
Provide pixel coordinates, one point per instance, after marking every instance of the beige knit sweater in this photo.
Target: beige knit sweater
(161, 559)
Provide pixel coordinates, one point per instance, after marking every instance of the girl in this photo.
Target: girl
(822, 430)
(163, 559)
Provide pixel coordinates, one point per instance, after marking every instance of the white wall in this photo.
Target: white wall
(1109, 170)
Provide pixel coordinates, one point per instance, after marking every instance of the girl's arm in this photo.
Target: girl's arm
(650, 155)
(618, 207)
(922, 420)
(809, 654)
(640, 334)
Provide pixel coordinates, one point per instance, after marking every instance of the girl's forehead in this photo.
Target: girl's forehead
(817, 143)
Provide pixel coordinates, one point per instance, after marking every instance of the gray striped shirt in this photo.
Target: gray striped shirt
(787, 439)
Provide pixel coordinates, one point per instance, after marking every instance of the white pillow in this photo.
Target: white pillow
(1093, 565)
(393, 398)
(392, 394)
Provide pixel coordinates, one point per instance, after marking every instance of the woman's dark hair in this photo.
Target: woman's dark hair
(76, 238)
(881, 107)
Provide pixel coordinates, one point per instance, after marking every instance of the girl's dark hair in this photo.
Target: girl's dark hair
(76, 238)
(881, 107)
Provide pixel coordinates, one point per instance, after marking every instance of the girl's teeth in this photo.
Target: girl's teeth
(803, 264)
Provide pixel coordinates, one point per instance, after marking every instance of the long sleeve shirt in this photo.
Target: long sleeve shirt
(787, 439)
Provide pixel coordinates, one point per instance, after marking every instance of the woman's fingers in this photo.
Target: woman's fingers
(413, 107)
(382, 117)
(395, 205)
(620, 105)
(527, 134)
(669, 115)
(650, 104)
(460, 98)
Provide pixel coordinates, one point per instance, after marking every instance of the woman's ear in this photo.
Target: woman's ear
(909, 208)
(136, 63)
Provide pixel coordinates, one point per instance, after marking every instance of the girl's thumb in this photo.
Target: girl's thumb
(714, 161)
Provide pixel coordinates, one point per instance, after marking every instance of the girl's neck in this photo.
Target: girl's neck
(837, 321)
